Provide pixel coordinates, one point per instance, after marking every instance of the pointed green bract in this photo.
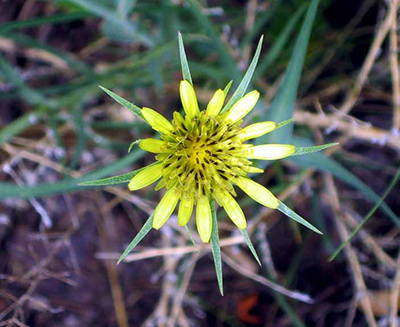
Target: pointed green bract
(215, 248)
(191, 237)
(250, 245)
(184, 63)
(367, 217)
(310, 149)
(293, 215)
(227, 88)
(322, 162)
(130, 106)
(241, 90)
(283, 105)
(114, 180)
(142, 233)
(285, 122)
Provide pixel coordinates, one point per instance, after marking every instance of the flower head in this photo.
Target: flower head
(203, 155)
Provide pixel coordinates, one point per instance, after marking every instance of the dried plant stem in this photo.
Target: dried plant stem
(394, 66)
(262, 280)
(394, 301)
(370, 242)
(351, 129)
(373, 52)
(350, 253)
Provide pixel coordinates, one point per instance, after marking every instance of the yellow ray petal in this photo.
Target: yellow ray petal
(256, 130)
(268, 151)
(146, 177)
(185, 210)
(216, 103)
(233, 209)
(152, 145)
(157, 121)
(165, 208)
(203, 219)
(258, 192)
(242, 107)
(189, 99)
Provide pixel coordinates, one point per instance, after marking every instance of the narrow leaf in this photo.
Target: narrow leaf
(191, 237)
(285, 122)
(283, 105)
(369, 215)
(291, 214)
(322, 162)
(130, 106)
(215, 248)
(184, 63)
(142, 233)
(250, 245)
(240, 91)
(310, 149)
(227, 87)
(114, 180)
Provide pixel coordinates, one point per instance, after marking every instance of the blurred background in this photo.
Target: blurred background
(59, 241)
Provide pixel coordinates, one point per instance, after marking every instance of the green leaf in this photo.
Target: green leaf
(8, 190)
(112, 17)
(215, 248)
(240, 91)
(184, 62)
(310, 149)
(57, 18)
(250, 245)
(191, 237)
(283, 105)
(18, 125)
(130, 106)
(322, 162)
(279, 44)
(285, 122)
(142, 233)
(291, 214)
(367, 217)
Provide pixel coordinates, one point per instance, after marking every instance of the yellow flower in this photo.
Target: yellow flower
(203, 155)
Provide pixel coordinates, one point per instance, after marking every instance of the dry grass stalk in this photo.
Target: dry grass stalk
(350, 253)
(394, 67)
(372, 55)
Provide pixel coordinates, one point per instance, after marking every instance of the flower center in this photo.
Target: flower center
(200, 156)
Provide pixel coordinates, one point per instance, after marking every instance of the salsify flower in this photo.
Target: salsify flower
(202, 155)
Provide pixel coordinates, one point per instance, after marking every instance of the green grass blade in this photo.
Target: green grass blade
(18, 126)
(293, 215)
(240, 91)
(184, 62)
(276, 49)
(8, 190)
(39, 21)
(130, 106)
(142, 233)
(113, 18)
(322, 162)
(216, 249)
(250, 245)
(311, 149)
(283, 105)
(367, 217)
(65, 57)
